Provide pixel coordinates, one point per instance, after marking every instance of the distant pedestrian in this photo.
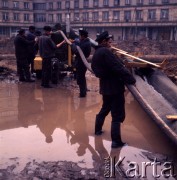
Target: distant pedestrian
(85, 45)
(21, 53)
(31, 48)
(113, 76)
(47, 51)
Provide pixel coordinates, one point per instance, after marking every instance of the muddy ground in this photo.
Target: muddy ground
(142, 47)
(51, 170)
(66, 169)
(8, 70)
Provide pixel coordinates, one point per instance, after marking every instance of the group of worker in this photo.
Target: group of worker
(108, 67)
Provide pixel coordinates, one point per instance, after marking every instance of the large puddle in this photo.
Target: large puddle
(55, 125)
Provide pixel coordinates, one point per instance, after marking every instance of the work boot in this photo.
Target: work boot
(98, 125)
(116, 135)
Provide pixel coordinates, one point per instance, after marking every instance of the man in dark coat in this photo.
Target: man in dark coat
(21, 53)
(85, 46)
(60, 53)
(113, 76)
(47, 51)
(31, 48)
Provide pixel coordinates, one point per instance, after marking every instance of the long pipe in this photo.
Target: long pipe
(137, 58)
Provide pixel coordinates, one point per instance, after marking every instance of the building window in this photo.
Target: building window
(16, 4)
(50, 5)
(164, 14)
(116, 2)
(58, 5)
(59, 17)
(140, 2)
(95, 16)
(40, 17)
(165, 1)
(16, 16)
(85, 16)
(26, 17)
(86, 3)
(105, 15)
(127, 2)
(76, 4)
(50, 18)
(95, 3)
(152, 14)
(139, 15)
(39, 6)
(5, 16)
(105, 2)
(152, 1)
(26, 5)
(116, 15)
(67, 4)
(76, 17)
(127, 16)
(5, 4)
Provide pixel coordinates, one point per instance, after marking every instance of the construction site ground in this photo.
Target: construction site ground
(74, 152)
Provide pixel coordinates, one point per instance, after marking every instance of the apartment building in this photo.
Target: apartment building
(125, 19)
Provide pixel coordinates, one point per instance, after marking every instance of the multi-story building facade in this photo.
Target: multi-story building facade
(125, 19)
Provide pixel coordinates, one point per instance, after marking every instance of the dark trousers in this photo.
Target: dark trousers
(23, 69)
(81, 80)
(114, 104)
(31, 62)
(46, 71)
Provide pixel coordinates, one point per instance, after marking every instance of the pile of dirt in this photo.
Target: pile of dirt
(7, 74)
(7, 46)
(171, 71)
(149, 47)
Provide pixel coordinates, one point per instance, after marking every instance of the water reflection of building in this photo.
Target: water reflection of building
(8, 106)
(152, 19)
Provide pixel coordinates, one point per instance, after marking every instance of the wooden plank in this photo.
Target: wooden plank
(171, 117)
(137, 58)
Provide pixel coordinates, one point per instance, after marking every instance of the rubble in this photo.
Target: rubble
(51, 170)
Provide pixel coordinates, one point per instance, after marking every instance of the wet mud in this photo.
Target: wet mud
(49, 134)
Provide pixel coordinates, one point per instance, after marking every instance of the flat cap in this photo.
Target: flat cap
(103, 36)
(83, 32)
(47, 28)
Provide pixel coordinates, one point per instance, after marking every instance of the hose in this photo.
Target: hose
(84, 60)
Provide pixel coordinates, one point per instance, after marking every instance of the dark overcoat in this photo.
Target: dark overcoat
(110, 70)
(21, 47)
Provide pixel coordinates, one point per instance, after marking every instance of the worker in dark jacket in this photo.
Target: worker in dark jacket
(85, 46)
(60, 53)
(113, 76)
(47, 51)
(21, 53)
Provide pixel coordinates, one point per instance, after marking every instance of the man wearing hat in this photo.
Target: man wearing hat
(47, 51)
(85, 46)
(60, 53)
(113, 76)
(21, 53)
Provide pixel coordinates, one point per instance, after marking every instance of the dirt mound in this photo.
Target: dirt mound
(146, 47)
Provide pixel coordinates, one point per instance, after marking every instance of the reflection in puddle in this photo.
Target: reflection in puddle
(54, 124)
